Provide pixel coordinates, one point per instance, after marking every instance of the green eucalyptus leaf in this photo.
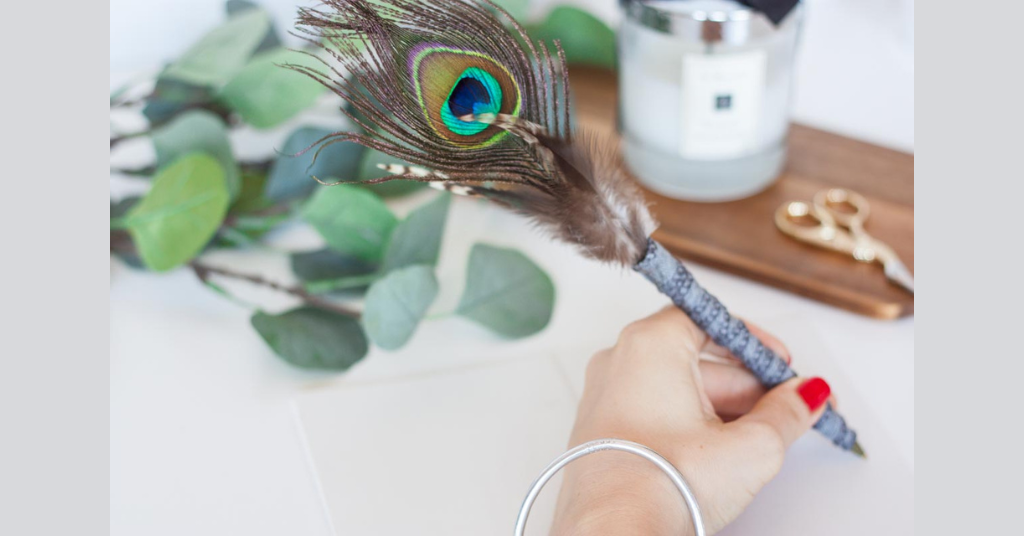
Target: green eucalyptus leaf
(518, 9)
(251, 198)
(228, 237)
(324, 264)
(266, 94)
(131, 260)
(171, 97)
(351, 220)
(235, 7)
(181, 212)
(313, 338)
(585, 38)
(121, 207)
(396, 303)
(506, 292)
(271, 39)
(356, 84)
(417, 239)
(291, 176)
(222, 52)
(197, 130)
(246, 230)
(368, 170)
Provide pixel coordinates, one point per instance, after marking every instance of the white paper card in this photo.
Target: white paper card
(442, 454)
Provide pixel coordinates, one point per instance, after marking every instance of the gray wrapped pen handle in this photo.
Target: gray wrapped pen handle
(675, 281)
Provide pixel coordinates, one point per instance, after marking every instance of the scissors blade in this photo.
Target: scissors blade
(898, 273)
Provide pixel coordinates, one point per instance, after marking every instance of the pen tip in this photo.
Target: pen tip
(858, 450)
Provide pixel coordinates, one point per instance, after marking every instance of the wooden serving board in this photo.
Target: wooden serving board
(740, 236)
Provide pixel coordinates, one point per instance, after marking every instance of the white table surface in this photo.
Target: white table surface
(202, 434)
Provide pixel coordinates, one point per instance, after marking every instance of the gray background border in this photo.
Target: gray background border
(54, 377)
(54, 385)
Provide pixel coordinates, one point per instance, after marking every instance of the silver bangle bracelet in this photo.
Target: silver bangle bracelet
(597, 445)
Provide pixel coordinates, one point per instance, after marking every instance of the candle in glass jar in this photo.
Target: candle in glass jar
(704, 96)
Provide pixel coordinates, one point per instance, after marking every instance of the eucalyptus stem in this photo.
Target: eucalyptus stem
(203, 272)
(330, 285)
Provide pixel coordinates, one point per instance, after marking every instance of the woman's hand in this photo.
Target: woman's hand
(667, 386)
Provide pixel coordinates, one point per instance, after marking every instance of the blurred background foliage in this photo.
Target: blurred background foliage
(203, 196)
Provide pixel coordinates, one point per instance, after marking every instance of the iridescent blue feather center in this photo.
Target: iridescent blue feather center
(475, 92)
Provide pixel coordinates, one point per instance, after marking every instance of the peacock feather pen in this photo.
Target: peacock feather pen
(456, 89)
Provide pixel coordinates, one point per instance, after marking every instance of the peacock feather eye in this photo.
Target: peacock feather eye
(475, 92)
(451, 83)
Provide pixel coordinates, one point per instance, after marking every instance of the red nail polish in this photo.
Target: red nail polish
(814, 392)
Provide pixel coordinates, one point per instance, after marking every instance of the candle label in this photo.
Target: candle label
(721, 104)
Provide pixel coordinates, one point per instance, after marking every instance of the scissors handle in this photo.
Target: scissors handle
(813, 225)
(847, 208)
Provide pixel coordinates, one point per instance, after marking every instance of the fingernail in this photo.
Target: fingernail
(814, 392)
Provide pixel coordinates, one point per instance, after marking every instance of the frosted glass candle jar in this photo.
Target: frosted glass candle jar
(704, 94)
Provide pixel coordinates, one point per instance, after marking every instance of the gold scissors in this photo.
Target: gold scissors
(822, 224)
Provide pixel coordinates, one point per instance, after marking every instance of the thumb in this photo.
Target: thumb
(777, 420)
(790, 408)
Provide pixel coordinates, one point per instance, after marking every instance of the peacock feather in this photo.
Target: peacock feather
(457, 89)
